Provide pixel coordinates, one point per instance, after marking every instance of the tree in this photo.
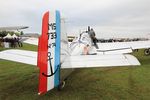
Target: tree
(3, 33)
(21, 33)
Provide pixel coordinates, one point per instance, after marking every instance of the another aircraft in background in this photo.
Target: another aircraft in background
(13, 28)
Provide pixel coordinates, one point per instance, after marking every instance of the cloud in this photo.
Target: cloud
(105, 16)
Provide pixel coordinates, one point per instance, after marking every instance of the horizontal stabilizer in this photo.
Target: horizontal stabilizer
(22, 56)
(84, 61)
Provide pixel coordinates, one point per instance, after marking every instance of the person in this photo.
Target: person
(89, 28)
(93, 36)
(0, 42)
(19, 42)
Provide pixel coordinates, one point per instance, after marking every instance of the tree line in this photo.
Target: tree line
(4, 33)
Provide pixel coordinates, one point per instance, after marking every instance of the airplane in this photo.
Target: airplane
(13, 28)
(110, 47)
(55, 56)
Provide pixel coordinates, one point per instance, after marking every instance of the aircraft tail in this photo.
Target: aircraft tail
(49, 52)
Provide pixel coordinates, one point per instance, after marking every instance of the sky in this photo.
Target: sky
(107, 17)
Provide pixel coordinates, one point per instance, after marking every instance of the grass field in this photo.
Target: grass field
(20, 82)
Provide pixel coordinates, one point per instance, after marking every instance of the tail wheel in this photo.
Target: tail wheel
(147, 52)
(61, 85)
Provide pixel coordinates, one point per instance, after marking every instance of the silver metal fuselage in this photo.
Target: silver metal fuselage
(72, 49)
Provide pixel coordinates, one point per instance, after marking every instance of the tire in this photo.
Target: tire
(61, 85)
(147, 52)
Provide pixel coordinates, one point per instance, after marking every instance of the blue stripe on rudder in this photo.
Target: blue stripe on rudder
(57, 50)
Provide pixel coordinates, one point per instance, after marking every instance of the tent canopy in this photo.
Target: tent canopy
(14, 36)
(8, 36)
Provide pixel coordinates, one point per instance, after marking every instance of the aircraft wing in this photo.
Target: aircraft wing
(121, 47)
(13, 28)
(108, 60)
(22, 56)
(33, 41)
(114, 51)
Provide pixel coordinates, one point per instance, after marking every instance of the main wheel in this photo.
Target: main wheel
(61, 85)
(147, 52)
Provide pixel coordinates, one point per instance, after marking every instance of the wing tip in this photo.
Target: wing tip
(132, 60)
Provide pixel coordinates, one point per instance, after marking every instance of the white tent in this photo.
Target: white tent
(8, 36)
(14, 36)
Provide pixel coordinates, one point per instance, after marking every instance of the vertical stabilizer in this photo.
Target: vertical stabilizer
(65, 50)
(49, 52)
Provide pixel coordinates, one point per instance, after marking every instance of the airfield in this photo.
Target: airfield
(20, 82)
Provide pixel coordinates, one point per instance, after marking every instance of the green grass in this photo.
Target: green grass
(25, 47)
(20, 82)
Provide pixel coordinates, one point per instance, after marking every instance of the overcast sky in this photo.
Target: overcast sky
(107, 17)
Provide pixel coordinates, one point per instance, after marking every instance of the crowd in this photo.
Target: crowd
(11, 42)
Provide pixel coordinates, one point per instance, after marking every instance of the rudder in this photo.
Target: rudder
(49, 52)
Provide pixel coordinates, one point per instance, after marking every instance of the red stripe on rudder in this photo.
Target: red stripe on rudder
(42, 54)
(39, 52)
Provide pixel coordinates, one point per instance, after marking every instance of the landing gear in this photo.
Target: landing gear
(61, 85)
(147, 51)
